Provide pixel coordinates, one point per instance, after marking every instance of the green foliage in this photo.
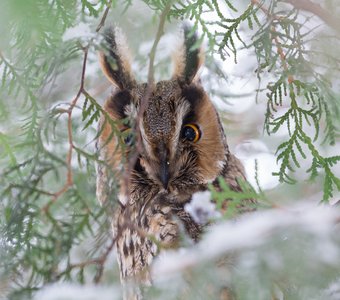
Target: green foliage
(222, 40)
(48, 207)
(230, 202)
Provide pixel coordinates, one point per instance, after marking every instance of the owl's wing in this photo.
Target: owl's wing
(233, 172)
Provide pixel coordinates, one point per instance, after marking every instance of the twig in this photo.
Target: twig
(138, 150)
(146, 96)
(69, 176)
(99, 261)
(282, 56)
(69, 111)
(317, 10)
(276, 40)
(102, 21)
(159, 34)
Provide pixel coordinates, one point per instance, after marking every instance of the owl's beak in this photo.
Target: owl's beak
(164, 173)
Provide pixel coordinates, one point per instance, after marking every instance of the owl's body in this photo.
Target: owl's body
(180, 148)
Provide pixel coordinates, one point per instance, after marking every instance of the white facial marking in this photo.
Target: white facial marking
(182, 110)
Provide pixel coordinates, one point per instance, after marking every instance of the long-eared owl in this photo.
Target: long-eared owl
(173, 149)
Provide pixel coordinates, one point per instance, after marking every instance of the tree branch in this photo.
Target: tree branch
(69, 111)
(146, 96)
(103, 19)
(317, 10)
(99, 261)
(159, 34)
(275, 38)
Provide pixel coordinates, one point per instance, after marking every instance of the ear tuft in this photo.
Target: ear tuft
(115, 59)
(189, 57)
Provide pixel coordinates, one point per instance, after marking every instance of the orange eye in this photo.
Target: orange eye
(191, 133)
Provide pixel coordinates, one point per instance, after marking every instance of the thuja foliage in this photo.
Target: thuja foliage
(49, 110)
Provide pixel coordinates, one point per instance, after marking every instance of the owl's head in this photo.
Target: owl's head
(182, 143)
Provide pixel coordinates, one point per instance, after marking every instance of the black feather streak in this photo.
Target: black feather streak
(193, 93)
(113, 61)
(118, 103)
(191, 55)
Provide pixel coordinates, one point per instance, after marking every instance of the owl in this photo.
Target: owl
(161, 156)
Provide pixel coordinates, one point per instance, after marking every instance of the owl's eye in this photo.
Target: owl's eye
(191, 133)
(128, 137)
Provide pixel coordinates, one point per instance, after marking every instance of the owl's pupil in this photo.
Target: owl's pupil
(189, 133)
(128, 140)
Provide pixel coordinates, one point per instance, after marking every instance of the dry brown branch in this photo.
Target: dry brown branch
(69, 111)
(317, 10)
(102, 21)
(146, 96)
(99, 261)
(274, 37)
(143, 104)
(69, 176)
(160, 32)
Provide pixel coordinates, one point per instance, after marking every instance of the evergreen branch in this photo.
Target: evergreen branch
(17, 76)
(274, 35)
(7, 148)
(33, 120)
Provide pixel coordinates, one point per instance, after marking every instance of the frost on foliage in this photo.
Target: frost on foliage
(201, 208)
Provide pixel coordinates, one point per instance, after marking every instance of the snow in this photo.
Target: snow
(68, 291)
(201, 208)
(253, 230)
(333, 292)
(252, 151)
(81, 30)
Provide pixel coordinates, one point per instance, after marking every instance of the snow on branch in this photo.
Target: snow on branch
(248, 232)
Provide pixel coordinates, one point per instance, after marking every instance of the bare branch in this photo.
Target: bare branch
(275, 38)
(102, 21)
(317, 10)
(99, 261)
(159, 34)
(146, 96)
(69, 111)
